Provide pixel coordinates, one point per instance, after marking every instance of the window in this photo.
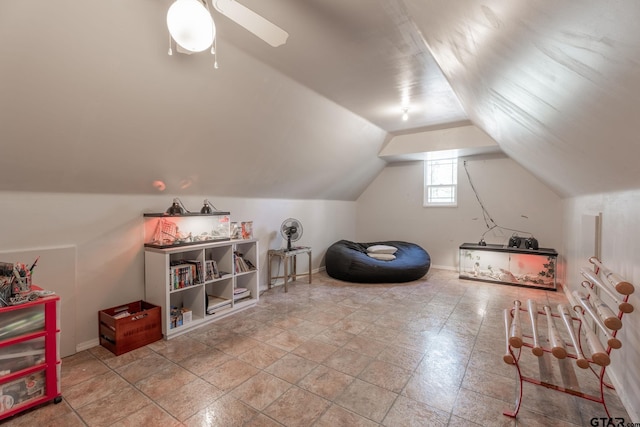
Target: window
(441, 182)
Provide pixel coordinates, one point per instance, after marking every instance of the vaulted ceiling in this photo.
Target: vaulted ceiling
(91, 102)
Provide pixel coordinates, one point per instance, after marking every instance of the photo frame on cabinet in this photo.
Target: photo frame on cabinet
(247, 229)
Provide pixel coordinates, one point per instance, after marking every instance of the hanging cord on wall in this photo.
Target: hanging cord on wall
(277, 272)
(488, 219)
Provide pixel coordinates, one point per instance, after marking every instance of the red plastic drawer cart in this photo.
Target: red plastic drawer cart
(29, 355)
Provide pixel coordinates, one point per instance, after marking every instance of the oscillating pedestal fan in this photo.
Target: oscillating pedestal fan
(291, 230)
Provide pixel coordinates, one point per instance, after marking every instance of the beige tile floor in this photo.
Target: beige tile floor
(425, 353)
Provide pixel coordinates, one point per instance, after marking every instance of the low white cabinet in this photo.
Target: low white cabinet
(198, 284)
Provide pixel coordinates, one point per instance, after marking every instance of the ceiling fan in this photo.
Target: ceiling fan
(251, 21)
(191, 25)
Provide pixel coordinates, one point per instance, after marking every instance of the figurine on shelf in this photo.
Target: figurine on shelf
(181, 237)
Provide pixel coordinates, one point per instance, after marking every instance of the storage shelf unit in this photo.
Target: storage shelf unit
(206, 295)
(29, 355)
(507, 265)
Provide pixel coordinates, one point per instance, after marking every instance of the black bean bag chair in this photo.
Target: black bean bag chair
(348, 261)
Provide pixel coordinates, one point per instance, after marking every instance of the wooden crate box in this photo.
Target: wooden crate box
(130, 326)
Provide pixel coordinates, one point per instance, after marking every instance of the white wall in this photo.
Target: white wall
(391, 208)
(107, 231)
(620, 253)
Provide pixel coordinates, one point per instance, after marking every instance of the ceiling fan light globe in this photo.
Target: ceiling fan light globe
(191, 26)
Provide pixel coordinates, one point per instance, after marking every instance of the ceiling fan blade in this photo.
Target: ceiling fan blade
(253, 22)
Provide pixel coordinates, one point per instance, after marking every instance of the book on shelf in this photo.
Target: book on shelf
(241, 264)
(199, 270)
(181, 276)
(215, 304)
(241, 293)
(211, 270)
(218, 309)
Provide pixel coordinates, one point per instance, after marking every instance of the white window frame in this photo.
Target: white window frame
(443, 181)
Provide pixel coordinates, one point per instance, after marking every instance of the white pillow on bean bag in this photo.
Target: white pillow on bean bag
(382, 249)
(383, 257)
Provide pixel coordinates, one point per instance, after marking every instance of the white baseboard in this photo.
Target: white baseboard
(280, 282)
(87, 345)
(444, 267)
(633, 412)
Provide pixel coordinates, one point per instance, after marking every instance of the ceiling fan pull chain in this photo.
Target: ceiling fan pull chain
(214, 52)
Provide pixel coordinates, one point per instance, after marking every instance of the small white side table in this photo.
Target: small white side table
(289, 257)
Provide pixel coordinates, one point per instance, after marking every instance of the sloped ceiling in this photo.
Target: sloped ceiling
(556, 84)
(366, 55)
(91, 102)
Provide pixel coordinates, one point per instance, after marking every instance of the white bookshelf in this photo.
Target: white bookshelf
(161, 288)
